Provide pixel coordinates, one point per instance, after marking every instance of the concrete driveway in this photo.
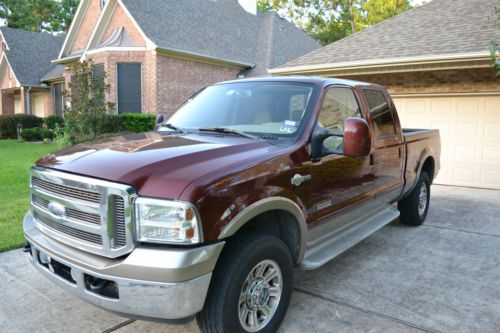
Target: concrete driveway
(441, 277)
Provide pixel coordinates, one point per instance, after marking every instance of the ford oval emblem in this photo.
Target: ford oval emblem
(56, 208)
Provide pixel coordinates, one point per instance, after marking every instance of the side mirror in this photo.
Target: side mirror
(357, 140)
(319, 135)
(159, 119)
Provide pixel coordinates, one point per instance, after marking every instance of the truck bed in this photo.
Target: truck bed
(420, 143)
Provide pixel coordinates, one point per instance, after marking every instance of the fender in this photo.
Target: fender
(426, 153)
(265, 205)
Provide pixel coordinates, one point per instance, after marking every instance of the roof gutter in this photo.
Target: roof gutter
(67, 59)
(411, 63)
(175, 53)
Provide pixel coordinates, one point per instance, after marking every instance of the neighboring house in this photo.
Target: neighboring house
(434, 60)
(25, 60)
(157, 53)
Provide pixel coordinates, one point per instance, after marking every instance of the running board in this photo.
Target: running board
(336, 244)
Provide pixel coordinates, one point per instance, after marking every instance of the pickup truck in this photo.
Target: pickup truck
(207, 215)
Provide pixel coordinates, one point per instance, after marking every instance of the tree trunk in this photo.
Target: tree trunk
(351, 14)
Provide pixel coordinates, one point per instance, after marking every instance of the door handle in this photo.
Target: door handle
(298, 179)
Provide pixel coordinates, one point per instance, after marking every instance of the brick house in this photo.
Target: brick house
(25, 59)
(157, 53)
(435, 62)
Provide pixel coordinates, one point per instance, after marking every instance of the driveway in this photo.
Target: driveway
(441, 277)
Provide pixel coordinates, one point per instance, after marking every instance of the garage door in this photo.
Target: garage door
(470, 135)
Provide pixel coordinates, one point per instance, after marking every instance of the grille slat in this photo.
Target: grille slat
(67, 191)
(79, 234)
(70, 212)
(119, 215)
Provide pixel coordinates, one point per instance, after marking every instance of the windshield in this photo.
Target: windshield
(269, 110)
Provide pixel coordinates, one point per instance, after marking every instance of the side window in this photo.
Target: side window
(383, 124)
(339, 103)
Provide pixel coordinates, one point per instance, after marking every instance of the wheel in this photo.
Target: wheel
(414, 207)
(250, 288)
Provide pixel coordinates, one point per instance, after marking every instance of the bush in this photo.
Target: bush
(136, 122)
(8, 124)
(51, 121)
(37, 134)
(129, 122)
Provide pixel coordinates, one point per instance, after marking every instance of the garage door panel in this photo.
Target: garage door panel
(492, 129)
(470, 135)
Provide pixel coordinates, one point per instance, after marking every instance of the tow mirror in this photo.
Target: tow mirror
(159, 120)
(319, 135)
(357, 140)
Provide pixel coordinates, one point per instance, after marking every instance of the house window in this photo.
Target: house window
(102, 3)
(58, 99)
(129, 88)
(383, 124)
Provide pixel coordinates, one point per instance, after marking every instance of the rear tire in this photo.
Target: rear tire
(415, 206)
(240, 299)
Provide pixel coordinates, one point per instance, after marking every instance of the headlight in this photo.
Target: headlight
(165, 221)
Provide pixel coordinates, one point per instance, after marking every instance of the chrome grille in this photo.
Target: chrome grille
(66, 191)
(87, 213)
(79, 234)
(71, 213)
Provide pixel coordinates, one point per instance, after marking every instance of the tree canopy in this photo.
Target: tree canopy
(38, 15)
(331, 20)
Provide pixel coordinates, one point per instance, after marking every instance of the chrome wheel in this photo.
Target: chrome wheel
(422, 199)
(260, 295)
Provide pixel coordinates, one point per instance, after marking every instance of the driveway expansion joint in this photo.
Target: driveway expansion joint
(120, 325)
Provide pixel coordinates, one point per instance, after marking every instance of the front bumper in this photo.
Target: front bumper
(150, 282)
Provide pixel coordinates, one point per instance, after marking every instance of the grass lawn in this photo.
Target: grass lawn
(15, 160)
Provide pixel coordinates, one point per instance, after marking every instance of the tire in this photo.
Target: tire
(236, 274)
(414, 207)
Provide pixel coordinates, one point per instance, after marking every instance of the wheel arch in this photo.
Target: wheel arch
(285, 213)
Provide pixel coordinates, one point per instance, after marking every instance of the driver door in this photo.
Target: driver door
(338, 183)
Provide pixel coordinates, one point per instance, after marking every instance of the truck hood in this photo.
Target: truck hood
(150, 161)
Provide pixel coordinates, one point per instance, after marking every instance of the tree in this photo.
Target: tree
(495, 48)
(88, 110)
(331, 20)
(38, 15)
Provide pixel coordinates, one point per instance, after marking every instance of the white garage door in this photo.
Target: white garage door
(470, 135)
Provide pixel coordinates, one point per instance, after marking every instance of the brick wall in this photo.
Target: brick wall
(87, 26)
(177, 79)
(7, 106)
(120, 19)
(442, 81)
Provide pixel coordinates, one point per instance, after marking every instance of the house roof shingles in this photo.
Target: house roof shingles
(30, 54)
(439, 27)
(221, 29)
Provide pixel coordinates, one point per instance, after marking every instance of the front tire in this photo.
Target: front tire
(251, 286)
(415, 206)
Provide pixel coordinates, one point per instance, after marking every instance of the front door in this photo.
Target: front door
(337, 183)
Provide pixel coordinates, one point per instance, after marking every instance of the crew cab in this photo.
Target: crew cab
(208, 214)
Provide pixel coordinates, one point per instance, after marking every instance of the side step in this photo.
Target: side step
(339, 242)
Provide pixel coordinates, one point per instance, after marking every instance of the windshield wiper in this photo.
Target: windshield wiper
(224, 130)
(175, 128)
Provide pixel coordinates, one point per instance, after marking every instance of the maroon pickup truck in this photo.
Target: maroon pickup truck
(209, 214)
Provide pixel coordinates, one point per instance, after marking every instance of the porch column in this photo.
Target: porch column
(23, 100)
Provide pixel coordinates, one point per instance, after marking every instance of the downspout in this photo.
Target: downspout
(28, 104)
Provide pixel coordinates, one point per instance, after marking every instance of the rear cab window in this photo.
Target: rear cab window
(380, 113)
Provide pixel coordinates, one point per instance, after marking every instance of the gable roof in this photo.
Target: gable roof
(30, 54)
(213, 29)
(435, 29)
(220, 29)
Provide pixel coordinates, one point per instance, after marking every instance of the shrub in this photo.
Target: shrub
(136, 122)
(8, 124)
(51, 121)
(37, 134)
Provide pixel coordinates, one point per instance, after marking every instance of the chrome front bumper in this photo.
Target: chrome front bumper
(151, 282)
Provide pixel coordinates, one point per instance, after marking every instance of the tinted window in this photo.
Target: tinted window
(339, 103)
(383, 124)
(129, 88)
(58, 99)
